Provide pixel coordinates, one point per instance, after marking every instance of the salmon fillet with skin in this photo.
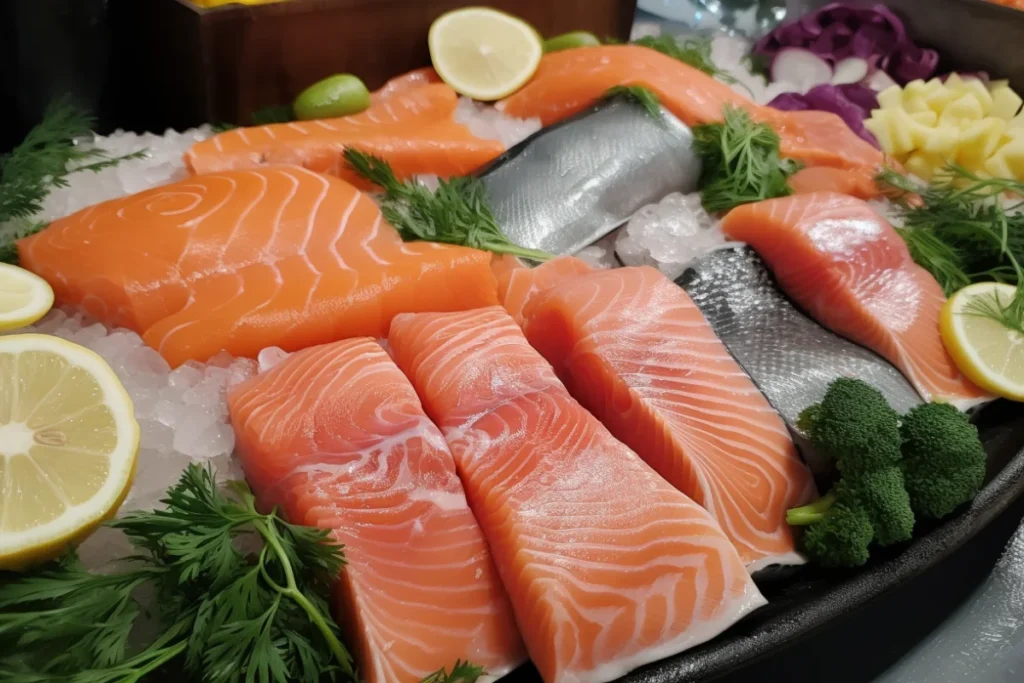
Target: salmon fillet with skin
(608, 567)
(412, 80)
(413, 130)
(244, 260)
(569, 81)
(636, 351)
(516, 287)
(849, 269)
(335, 436)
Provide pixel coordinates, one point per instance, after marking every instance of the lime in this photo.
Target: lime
(68, 445)
(24, 297)
(568, 41)
(334, 96)
(483, 53)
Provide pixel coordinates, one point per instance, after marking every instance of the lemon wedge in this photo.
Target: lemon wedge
(68, 444)
(986, 351)
(24, 297)
(483, 53)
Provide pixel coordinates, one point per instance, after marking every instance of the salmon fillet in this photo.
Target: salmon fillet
(858, 183)
(336, 437)
(244, 260)
(413, 130)
(516, 287)
(569, 81)
(412, 80)
(847, 267)
(608, 567)
(634, 349)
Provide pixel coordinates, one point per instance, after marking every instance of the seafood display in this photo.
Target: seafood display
(552, 351)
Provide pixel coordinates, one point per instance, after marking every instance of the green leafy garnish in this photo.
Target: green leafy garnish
(43, 161)
(226, 616)
(962, 232)
(462, 672)
(695, 52)
(282, 113)
(741, 162)
(457, 213)
(646, 97)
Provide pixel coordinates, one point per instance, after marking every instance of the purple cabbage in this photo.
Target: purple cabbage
(852, 103)
(837, 31)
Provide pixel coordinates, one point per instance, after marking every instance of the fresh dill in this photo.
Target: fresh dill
(695, 52)
(226, 616)
(462, 672)
(741, 162)
(50, 152)
(962, 229)
(645, 97)
(457, 213)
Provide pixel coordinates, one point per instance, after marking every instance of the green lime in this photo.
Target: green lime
(338, 95)
(567, 41)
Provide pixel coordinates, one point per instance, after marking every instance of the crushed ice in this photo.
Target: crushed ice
(669, 234)
(486, 122)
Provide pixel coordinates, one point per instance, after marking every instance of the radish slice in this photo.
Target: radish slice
(879, 81)
(850, 70)
(801, 67)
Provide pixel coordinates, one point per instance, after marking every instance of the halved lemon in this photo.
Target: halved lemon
(987, 352)
(68, 444)
(24, 297)
(483, 53)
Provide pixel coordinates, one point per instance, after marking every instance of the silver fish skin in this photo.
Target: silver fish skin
(791, 358)
(571, 184)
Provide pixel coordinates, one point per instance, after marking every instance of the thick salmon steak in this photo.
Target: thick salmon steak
(637, 352)
(607, 565)
(336, 437)
(243, 260)
(843, 263)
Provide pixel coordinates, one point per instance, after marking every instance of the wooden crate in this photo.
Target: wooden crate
(177, 65)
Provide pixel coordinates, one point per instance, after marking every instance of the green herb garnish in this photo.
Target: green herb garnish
(962, 232)
(645, 97)
(741, 162)
(282, 113)
(457, 213)
(462, 672)
(43, 161)
(225, 616)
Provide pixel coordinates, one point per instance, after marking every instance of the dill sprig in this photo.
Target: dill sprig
(741, 162)
(457, 213)
(962, 228)
(643, 96)
(695, 51)
(462, 672)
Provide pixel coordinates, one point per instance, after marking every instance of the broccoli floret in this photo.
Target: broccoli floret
(943, 459)
(841, 538)
(882, 497)
(855, 425)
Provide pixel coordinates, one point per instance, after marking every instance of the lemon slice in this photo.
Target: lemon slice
(24, 297)
(483, 53)
(68, 443)
(987, 352)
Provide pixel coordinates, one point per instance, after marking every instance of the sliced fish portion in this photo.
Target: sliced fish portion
(633, 348)
(843, 263)
(607, 565)
(571, 184)
(791, 358)
(336, 437)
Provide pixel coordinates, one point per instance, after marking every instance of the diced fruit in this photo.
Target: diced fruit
(1005, 103)
(987, 352)
(923, 164)
(483, 53)
(891, 98)
(942, 141)
(925, 118)
(68, 444)
(24, 298)
(980, 140)
(981, 94)
(334, 96)
(915, 104)
(964, 107)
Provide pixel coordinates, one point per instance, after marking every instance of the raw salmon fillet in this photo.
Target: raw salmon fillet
(244, 260)
(413, 130)
(634, 350)
(569, 81)
(517, 286)
(847, 267)
(412, 80)
(607, 565)
(335, 436)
